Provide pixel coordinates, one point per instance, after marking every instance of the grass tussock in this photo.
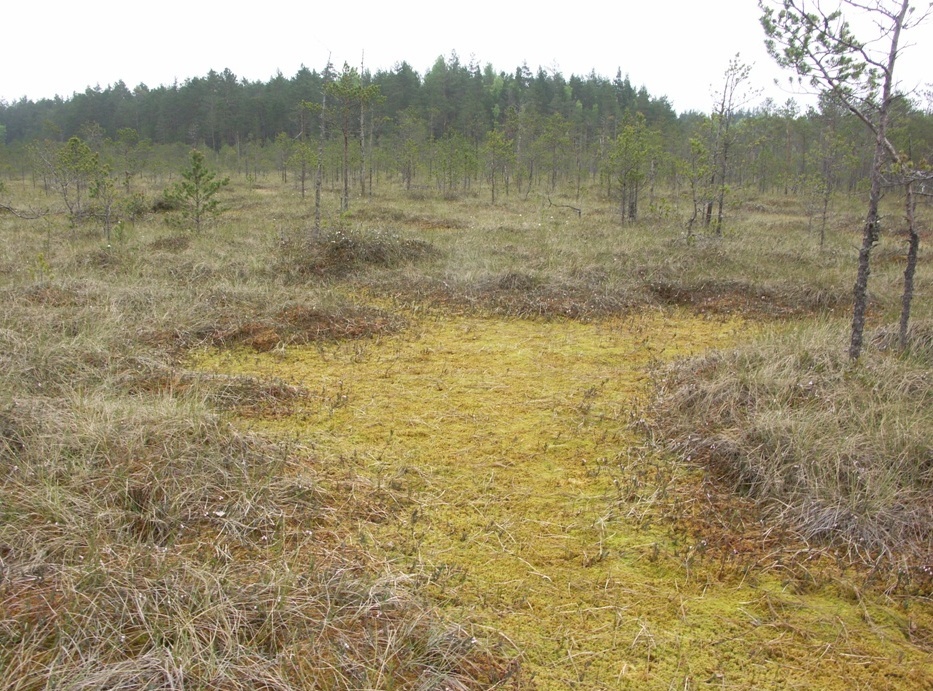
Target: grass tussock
(841, 451)
(340, 252)
(743, 297)
(216, 571)
(303, 324)
(408, 219)
(919, 344)
(145, 544)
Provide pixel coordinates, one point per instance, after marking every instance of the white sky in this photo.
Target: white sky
(675, 48)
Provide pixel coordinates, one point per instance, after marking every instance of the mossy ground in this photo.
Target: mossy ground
(510, 476)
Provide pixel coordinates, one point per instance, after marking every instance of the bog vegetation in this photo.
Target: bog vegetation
(541, 388)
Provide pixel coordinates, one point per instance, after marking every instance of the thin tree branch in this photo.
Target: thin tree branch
(28, 215)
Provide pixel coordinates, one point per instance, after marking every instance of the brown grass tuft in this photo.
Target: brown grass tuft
(842, 452)
(171, 243)
(342, 252)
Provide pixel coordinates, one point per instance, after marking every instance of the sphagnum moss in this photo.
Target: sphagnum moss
(516, 491)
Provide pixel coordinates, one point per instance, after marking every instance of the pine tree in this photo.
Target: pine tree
(197, 192)
(821, 47)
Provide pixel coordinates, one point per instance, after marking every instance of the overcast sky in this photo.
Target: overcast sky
(675, 48)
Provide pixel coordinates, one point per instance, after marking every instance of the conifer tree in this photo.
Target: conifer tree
(820, 45)
(196, 193)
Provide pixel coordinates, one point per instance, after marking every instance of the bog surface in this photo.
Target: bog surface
(514, 484)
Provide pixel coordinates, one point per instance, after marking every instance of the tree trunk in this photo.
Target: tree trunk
(824, 216)
(362, 144)
(883, 149)
(304, 175)
(372, 128)
(319, 177)
(913, 246)
(345, 199)
(870, 235)
(721, 199)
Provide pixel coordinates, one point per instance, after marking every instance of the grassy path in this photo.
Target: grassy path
(511, 484)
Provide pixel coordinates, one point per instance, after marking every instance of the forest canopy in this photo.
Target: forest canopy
(462, 123)
(221, 108)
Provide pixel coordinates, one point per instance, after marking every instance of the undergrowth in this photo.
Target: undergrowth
(338, 252)
(841, 451)
(147, 543)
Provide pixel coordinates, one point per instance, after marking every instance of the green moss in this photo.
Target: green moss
(517, 492)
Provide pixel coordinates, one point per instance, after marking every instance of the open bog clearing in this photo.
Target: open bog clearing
(512, 478)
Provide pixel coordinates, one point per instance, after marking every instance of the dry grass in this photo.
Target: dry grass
(524, 257)
(340, 252)
(841, 451)
(146, 543)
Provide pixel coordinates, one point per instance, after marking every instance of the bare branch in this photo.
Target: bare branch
(28, 215)
(565, 206)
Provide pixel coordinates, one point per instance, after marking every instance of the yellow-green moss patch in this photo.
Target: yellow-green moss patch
(517, 492)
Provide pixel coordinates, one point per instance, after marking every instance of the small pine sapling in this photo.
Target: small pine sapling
(196, 192)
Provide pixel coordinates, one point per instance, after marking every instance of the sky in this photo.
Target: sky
(675, 48)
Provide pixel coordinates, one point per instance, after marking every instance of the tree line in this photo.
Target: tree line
(221, 108)
(460, 124)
